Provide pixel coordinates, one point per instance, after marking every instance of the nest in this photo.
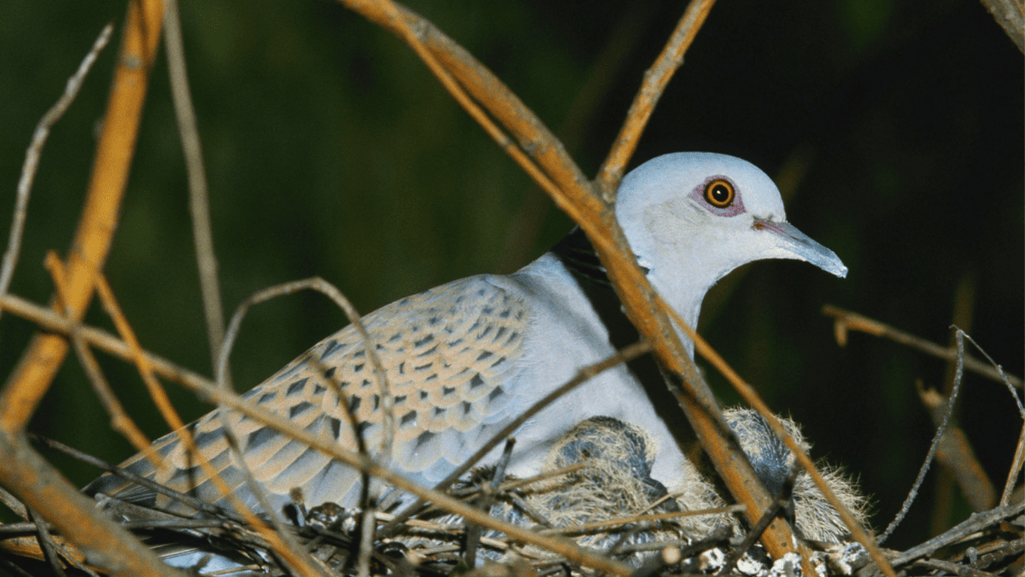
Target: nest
(595, 498)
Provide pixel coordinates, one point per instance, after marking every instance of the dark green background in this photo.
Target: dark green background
(331, 151)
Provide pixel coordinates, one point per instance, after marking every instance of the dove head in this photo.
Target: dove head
(692, 217)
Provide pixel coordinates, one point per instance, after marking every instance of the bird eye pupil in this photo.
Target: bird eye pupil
(719, 193)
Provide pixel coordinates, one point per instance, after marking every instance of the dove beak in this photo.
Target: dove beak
(802, 247)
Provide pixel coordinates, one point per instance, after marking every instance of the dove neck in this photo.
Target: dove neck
(578, 257)
(577, 254)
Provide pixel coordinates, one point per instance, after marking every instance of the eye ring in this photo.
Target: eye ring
(720, 193)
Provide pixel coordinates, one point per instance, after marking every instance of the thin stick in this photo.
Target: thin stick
(46, 544)
(406, 29)
(1015, 469)
(655, 80)
(583, 375)
(751, 397)
(223, 382)
(188, 500)
(1004, 377)
(119, 419)
(12, 503)
(847, 321)
(153, 386)
(577, 197)
(559, 175)
(111, 344)
(282, 545)
(971, 525)
(45, 490)
(35, 150)
(1009, 15)
(646, 519)
(942, 428)
(89, 249)
(103, 340)
(330, 448)
(199, 204)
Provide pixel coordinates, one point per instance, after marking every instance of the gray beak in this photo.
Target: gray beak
(803, 247)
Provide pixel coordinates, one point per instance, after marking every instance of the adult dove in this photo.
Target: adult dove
(466, 358)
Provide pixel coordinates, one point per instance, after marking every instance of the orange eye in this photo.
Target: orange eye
(719, 193)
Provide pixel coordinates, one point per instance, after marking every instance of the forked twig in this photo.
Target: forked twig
(847, 321)
(35, 150)
(40, 362)
(969, 526)
(940, 429)
(119, 419)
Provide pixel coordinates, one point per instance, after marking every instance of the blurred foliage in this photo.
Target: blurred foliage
(894, 128)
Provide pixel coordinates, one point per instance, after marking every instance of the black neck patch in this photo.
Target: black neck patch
(578, 256)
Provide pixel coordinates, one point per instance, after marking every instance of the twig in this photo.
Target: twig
(52, 322)
(1009, 15)
(626, 355)
(184, 498)
(974, 523)
(274, 540)
(577, 197)
(954, 568)
(320, 285)
(412, 28)
(156, 391)
(224, 383)
(46, 544)
(35, 150)
(655, 80)
(955, 453)
(12, 503)
(940, 429)
(556, 172)
(1015, 469)
(778, 502)
(330, 448)
(159, 396)
(199, 204)
(45, 490)
(847, 320)
(751, 397)
(640, 519)
(473, 531)
(119, 419)
(90, 247)
(1019, 454)
(1004, 377)
(387, 399)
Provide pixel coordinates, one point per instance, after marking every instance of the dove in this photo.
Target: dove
(812, 515)
(612, 482)
(466, 358)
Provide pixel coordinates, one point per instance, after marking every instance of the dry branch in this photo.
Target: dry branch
(579, 199)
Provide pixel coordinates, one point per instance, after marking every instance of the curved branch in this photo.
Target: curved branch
(577, 197)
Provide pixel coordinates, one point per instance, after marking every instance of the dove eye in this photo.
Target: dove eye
(720, 193)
